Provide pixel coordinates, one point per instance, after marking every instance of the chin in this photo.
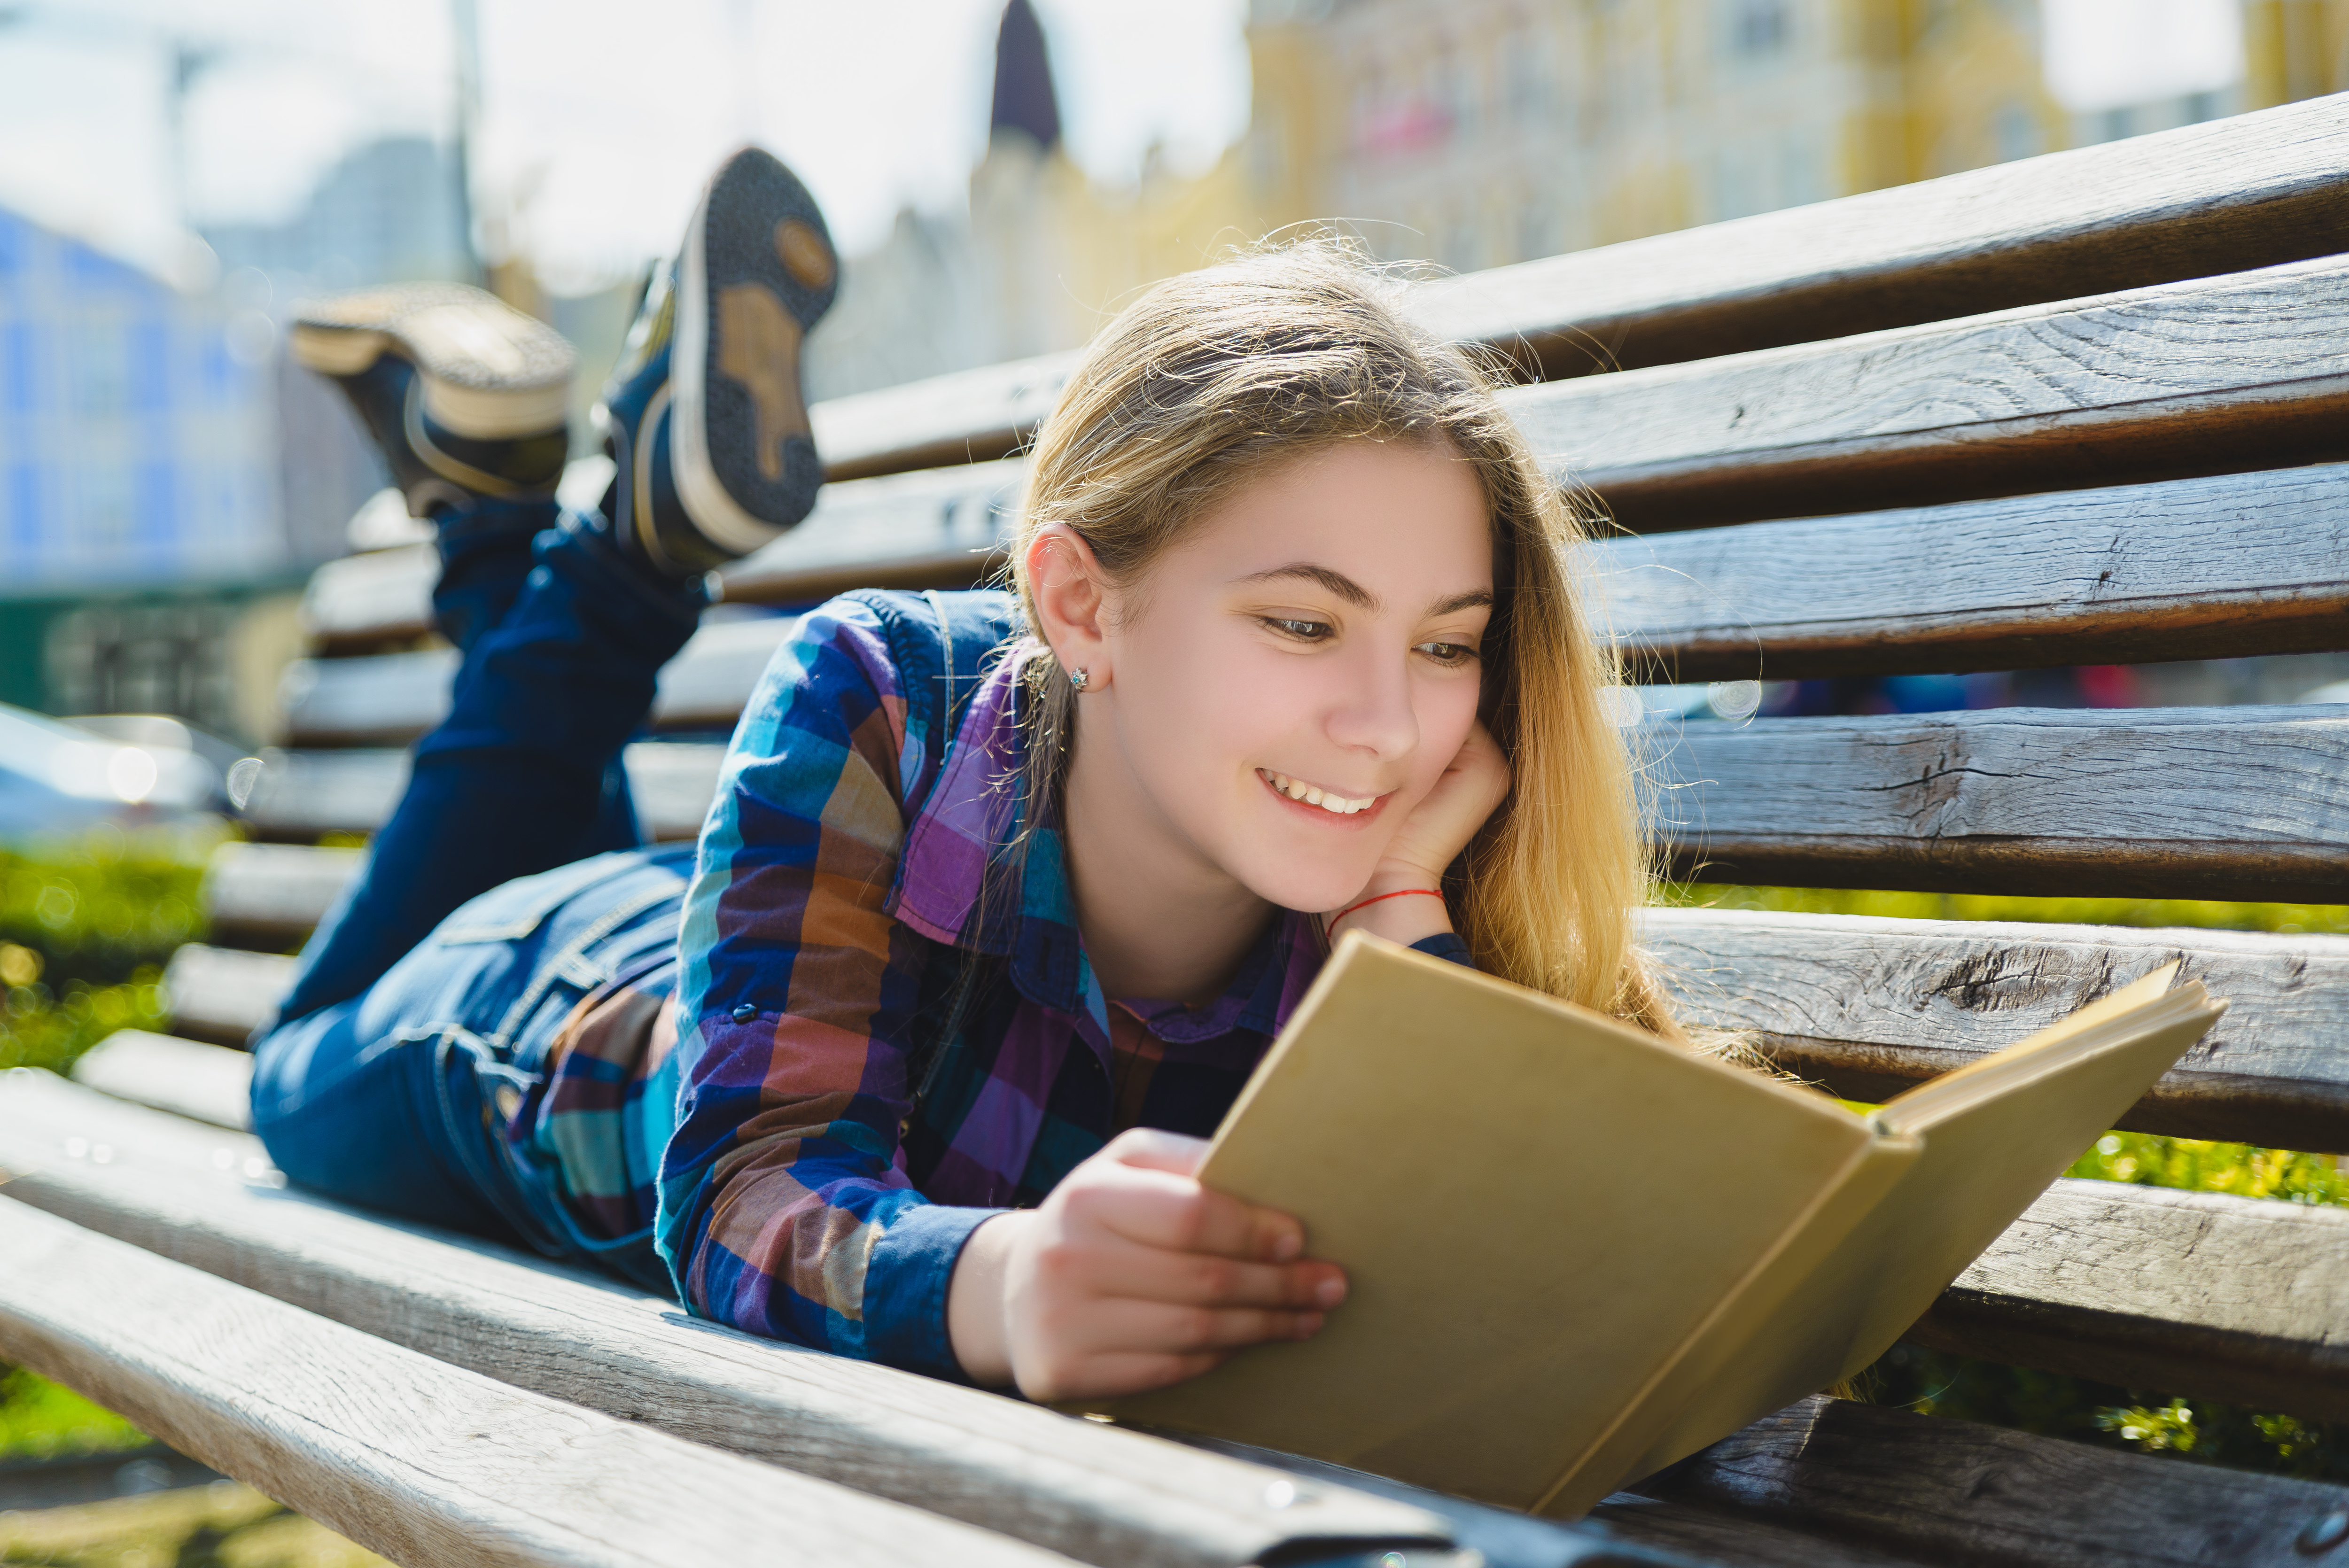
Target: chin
(1310, 890)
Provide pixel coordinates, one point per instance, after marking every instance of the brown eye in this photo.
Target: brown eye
(1448, 652)
(1303, 631)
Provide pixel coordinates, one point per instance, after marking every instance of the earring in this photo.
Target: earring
(1078, 677)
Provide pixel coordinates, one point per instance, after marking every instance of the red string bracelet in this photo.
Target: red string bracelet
(1406, 893)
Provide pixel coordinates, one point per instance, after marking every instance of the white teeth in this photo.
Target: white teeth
(1311, 795)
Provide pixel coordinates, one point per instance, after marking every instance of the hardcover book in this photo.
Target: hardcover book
(1577, 1252)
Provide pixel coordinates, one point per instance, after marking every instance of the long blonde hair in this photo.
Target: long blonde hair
(1210, 379)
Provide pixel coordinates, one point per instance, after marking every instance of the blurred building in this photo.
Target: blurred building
(136, 439)
(1044, 256)
(1474, 133)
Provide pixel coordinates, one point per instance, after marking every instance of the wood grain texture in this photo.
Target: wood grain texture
(1100, 1494)
(944, 528)
(267, 895)
(1869, 1007)
(2235, 1299)
(2218, 1298)
(301, 795)
(410, 1457)
(2231, 804)
(2218, 375)
(2246, 192)
(220, 994)
(1955, 1491)
(2219, 567)
(211, 1084)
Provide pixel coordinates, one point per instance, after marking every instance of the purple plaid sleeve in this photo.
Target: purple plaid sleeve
(784, 1205)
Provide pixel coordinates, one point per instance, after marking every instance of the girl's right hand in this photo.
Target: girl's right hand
(1130, 1275)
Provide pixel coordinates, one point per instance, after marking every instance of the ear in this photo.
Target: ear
(1070, 595)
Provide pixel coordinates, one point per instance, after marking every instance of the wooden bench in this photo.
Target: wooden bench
(2085, 409)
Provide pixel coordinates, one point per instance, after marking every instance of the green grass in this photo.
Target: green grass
(86, 924)
(44, 1420)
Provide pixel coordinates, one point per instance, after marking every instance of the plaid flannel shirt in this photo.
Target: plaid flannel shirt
(827, 1142)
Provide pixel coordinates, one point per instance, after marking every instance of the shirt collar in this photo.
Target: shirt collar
(976, 806)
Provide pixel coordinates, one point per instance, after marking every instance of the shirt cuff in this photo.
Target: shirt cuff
(905, 1280)
(1445, 944)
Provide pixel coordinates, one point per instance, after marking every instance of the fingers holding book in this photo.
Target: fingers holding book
(1131, 1276)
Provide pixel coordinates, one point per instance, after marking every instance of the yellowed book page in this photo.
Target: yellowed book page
(1983, 1163)
(1531, 1202)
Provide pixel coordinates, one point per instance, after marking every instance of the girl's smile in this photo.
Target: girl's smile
(1327, 804)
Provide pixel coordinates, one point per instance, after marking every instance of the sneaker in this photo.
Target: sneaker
(705, 416)
(465, 396)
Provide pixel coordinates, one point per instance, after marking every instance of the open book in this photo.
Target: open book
(1577, 1252)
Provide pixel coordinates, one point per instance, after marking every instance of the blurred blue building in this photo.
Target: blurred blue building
(137, 442)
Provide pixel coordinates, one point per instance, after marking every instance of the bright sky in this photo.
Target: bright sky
(600, 117)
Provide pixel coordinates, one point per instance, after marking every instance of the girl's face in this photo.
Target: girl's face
(1278, 691)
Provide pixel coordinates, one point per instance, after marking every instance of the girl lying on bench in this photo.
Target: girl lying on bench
(1003, 893)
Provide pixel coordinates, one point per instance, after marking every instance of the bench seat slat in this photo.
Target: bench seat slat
(413, 1457)
(1869, 1007)
(2245, 191)
(2227, 803)
(2236, 1299)
(2202, 1294)
(1100, 1494)
(222, 994)
(1956, 1491)
(304, 794)
(2217, 375)
(2225, 565)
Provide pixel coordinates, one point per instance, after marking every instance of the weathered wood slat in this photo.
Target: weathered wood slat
(394, 697)
(304, 794)
(1100, 1494)
(1506, 1538)
(381, 596)
(2246, 192)
(2219, 1297)
(2221, 566)
(211, 1084)
(2236, 1299)
(272, 894)
(222, 995)
(940, 529)
(301, 795)
(1869, 1007)
(2232, 803)
(2228, 565)
(1956, 1491)
(2217, 375)
(409, 1456)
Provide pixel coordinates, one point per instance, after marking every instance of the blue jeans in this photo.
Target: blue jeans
(423, 1005)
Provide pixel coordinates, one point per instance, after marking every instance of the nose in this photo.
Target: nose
(1372, 710)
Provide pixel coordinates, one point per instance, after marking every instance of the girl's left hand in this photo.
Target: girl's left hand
(1472, 788)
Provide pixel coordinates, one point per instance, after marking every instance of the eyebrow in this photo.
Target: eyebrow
(1361, 598)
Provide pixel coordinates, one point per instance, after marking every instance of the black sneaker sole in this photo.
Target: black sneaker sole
(487, 372)
(758, 270)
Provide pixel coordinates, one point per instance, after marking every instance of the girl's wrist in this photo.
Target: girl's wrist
(1402, 905)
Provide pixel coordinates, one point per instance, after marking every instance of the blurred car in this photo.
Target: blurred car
(57, 774)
